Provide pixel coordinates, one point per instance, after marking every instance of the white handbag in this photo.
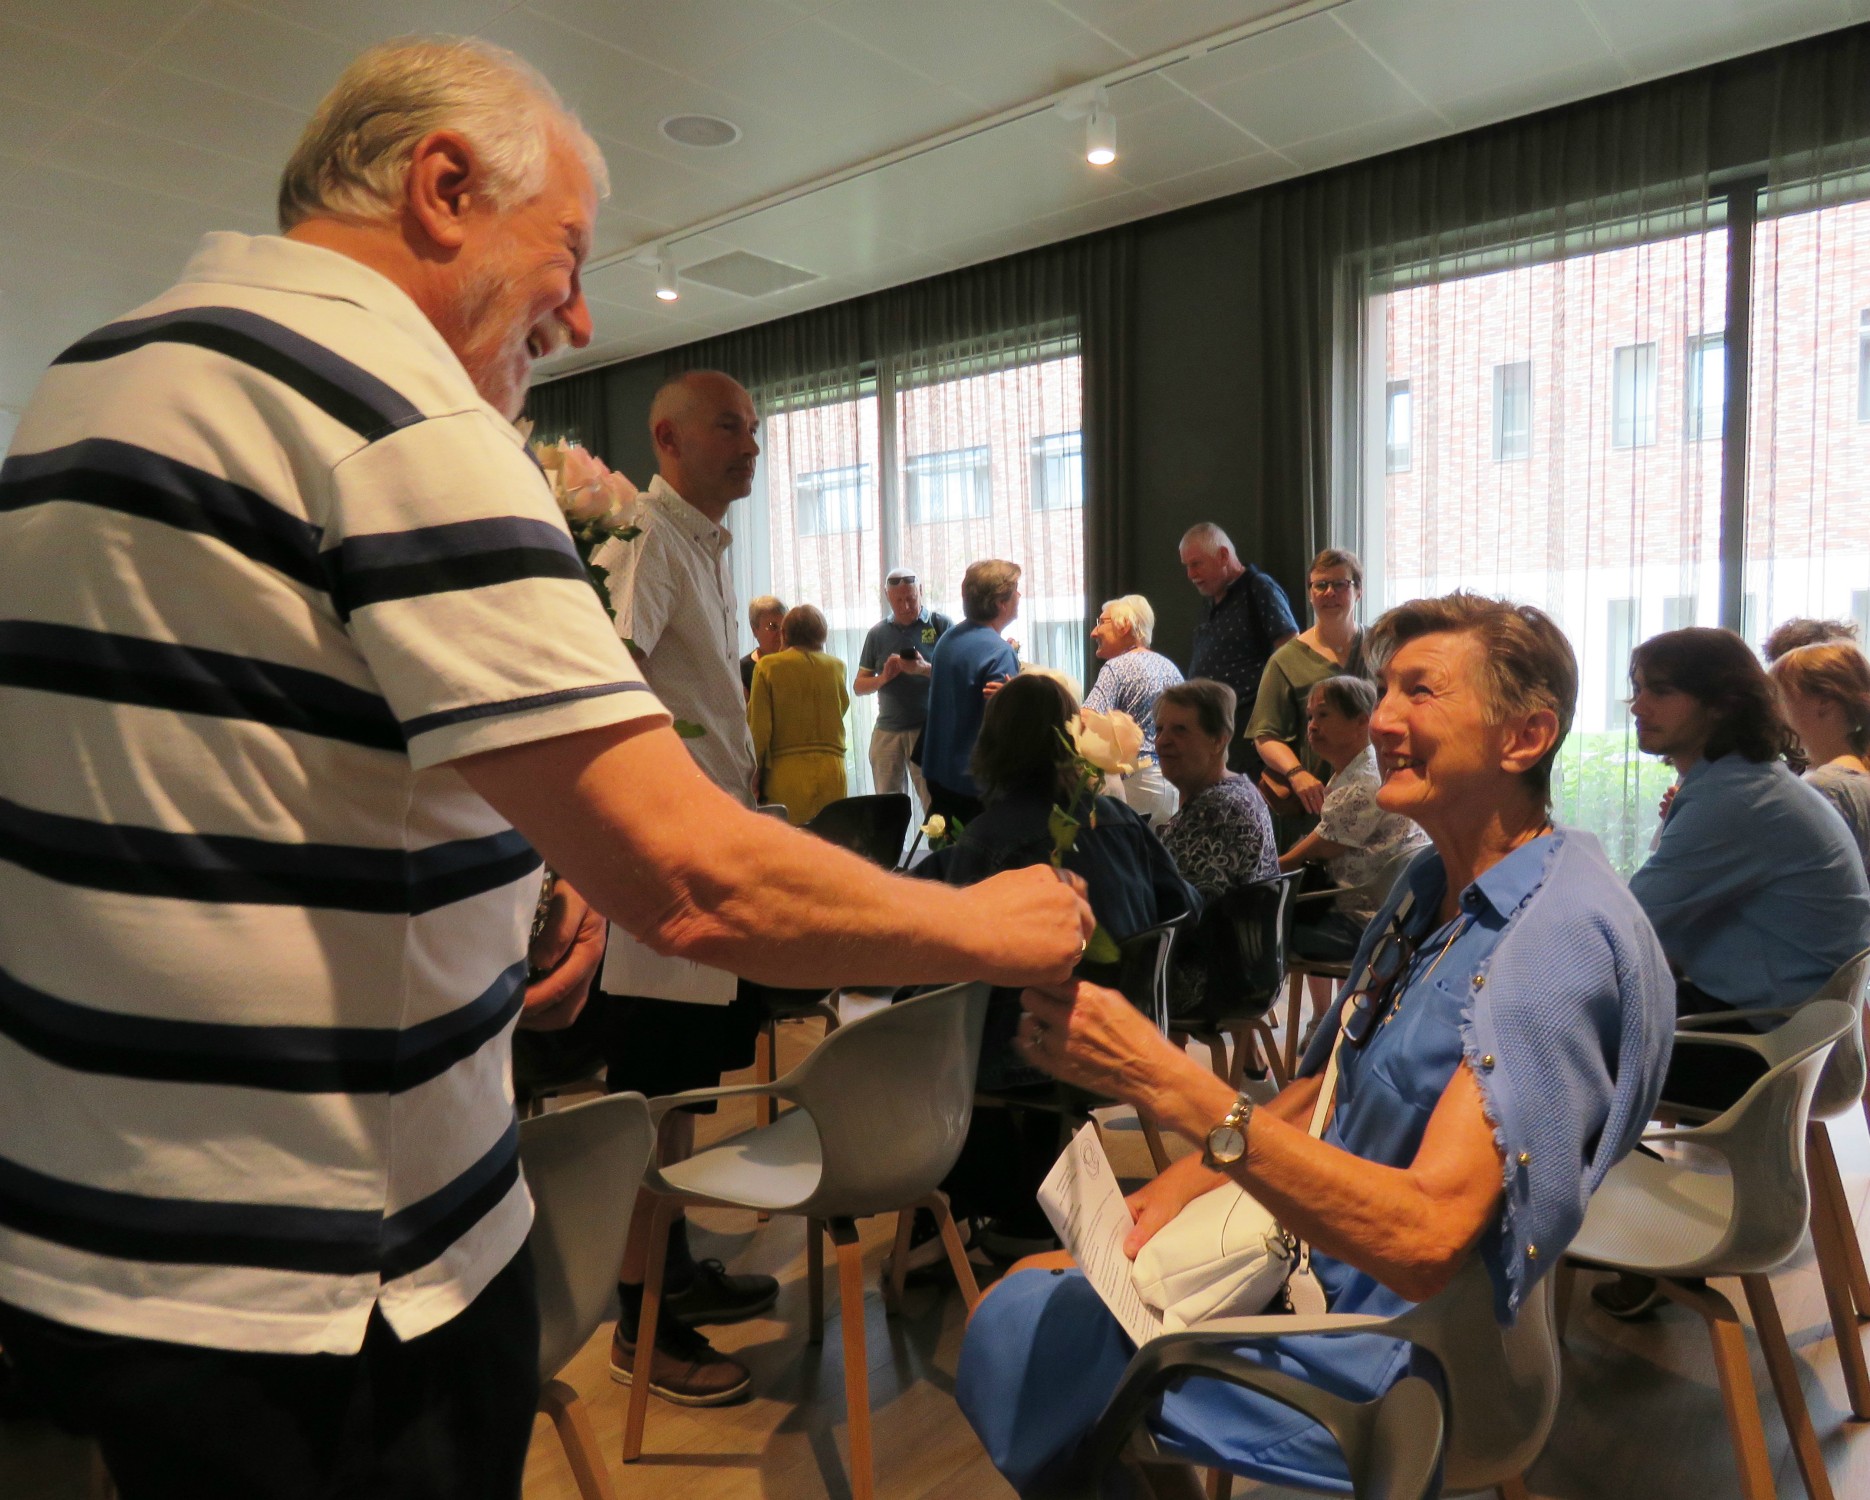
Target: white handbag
(1225, 1255)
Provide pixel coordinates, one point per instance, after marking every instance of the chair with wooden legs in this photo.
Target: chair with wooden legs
(582, 1165)
(880, 1112)
(1739, 1208)
(1501, 1394)
(1242, 941)
(1835, 1243)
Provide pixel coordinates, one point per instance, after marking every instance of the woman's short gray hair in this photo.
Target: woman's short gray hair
(1133, 613)
(354, 156)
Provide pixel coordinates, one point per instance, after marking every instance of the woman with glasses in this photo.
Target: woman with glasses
(1332, 647)
(1502, 1042)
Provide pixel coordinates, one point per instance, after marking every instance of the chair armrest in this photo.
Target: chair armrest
(666, 1103)
(1165, 1360)
(1314, 897)
(1712, 1020)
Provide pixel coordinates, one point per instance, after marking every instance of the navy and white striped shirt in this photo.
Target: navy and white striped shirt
(267, 564)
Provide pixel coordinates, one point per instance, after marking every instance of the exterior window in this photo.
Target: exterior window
(1398, 427)
(1750, 618)
(952, 486)
(1860, 612)
(832, 500)
(1679, 613)
(1863, 366)
(1621, 641)
(1512, 411)
(1707, 386)
(1058, 471)
(1633, 384)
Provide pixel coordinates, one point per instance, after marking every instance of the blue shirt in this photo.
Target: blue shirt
(1238, 636)
(1129, 683)
(1756, 887)
(903, 702)
(966, 659)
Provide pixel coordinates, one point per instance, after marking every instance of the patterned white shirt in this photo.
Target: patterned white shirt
(1378, 843)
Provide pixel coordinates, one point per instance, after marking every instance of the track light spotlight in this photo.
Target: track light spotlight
(666, 286)
(1100, 134)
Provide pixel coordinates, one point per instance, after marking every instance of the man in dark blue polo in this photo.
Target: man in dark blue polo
(1248, 619)
(895, 665)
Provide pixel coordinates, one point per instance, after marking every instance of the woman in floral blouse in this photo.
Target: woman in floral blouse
(1131, 678)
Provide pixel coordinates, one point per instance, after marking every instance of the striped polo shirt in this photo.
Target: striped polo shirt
(268, 563)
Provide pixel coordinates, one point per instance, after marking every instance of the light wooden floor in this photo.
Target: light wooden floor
(1641, 1415)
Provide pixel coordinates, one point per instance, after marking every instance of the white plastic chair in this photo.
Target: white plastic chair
(1739, 1208)
(582, 1165)
(1835, 1245)
(881, 1109)
(1502, 1389)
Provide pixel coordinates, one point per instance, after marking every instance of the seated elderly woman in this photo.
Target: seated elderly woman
(1826, 692)
(1023, 765)
(1131, 677)
(1508, 1022)
(1362, 847)
(1222, 838)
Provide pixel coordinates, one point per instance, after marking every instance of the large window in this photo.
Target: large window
(1633, 396)
(1512, 410)
(1863, 366)
(930, 463)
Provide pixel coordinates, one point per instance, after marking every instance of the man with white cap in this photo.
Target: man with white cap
(894, 665)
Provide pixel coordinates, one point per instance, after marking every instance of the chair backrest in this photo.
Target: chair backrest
(1762, 1136)
(1141, 972)
(872, 826)
(1841, 1085)
(891, 1096)
(1242, 937)
(583, 1164)
(1502, 1383)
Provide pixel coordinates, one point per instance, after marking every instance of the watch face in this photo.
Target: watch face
(1227, 1143)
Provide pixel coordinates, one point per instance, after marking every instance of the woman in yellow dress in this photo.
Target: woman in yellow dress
(797, 710)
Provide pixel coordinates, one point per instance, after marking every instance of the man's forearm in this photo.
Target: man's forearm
(655, 846)
(867, 682)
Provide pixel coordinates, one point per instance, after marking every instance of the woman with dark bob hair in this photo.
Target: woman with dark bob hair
(1502, 1042)
(1023, 763)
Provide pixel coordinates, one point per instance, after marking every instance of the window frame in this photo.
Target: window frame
(975, 463)
(1511, 444)
(1632, 396)
(864, 474)
(1053, 448)
(1398, 458)
(1694, 408)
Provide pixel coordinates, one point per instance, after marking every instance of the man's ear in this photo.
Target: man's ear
(1527, 739)
(445, 184)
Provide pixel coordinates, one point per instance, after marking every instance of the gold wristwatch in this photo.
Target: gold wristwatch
(1227, 1141)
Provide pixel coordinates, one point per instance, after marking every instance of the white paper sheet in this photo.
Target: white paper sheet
(632, 969)
(1081, 1197)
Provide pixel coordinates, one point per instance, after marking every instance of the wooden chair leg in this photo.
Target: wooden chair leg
(899, 1261)
(856, 1360)
(1282, 1075)
(1158, 1151)
(638, 1410)
(1739, 1397)
(567, 1411)
(1295, 1001)
(1784, 1371)
(815, 1281)
(958, 1262)
(1513, 1489)
(1822, 1167)
(100, 1486)
(1219, 1486)
(1833, 1257)
(765, 1069)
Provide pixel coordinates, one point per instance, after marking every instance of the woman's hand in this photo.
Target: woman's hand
(1160, 1200)
(1309, 790)
(1093, 1037)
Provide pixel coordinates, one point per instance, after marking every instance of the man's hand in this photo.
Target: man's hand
(1032, 925)
(1161, 1199)
(920, 667)
(892, 669)
(993, 687)
(569, 949)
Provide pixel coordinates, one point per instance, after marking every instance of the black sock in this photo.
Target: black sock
(678, 1266)
(629, 1308)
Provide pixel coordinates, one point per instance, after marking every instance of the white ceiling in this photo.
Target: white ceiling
(129, 127)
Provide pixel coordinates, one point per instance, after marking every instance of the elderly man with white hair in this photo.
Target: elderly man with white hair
(306, 670)
(1128, 682)
(1249, 618)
